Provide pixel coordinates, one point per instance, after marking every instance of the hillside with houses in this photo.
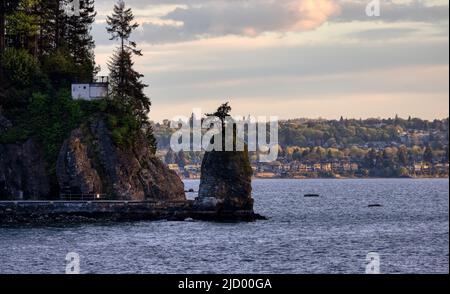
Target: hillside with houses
(321, 148)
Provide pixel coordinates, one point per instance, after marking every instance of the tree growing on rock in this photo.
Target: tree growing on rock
(222, 112)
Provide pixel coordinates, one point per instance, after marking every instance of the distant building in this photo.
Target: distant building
(174, 167)
(265, 175)
(192, 167)
(96, 90)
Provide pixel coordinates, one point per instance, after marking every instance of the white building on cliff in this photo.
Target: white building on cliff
(96, 90)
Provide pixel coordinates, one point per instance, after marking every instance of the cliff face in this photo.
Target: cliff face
(22, 170)
(74, 169)
(90, 163)
(5, 124)
(225, 187)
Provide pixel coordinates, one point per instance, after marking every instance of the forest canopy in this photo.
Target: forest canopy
(45, 48)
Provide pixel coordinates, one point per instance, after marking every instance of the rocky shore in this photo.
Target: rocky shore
(50, 212)
(13, 213)
(134, 184)
(225, 187)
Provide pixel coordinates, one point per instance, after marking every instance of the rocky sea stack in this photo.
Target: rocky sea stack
(225, 192)
(225, 187)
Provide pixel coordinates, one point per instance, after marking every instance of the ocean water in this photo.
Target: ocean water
(329, 234)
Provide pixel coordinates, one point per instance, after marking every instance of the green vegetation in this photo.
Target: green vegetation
(346, 132)
(222, 112)
(39, 60)
(362, 148)
(43, 50)
(128, 101)
(380, 147)
(21, 68)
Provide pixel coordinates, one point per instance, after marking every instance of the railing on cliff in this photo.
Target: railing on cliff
(83, 197)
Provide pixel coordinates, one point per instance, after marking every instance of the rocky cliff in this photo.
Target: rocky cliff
(90, 163)
(22, 169)
(225, 187)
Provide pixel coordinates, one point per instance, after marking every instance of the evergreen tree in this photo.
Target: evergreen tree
(79, 39)
(428, 154)
(222, 112)
(127, 89)
(124, 79)
(53, 26)
(22, 26)
(6, 7)
(396, 120)
(2, 25)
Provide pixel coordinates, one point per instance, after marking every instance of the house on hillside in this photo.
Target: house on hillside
(96, 90)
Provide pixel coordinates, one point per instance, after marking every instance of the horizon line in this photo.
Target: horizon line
(335, 119)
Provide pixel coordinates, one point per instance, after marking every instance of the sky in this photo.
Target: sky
(289, 58)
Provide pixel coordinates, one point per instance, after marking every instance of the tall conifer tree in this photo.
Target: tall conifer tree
(127, 89)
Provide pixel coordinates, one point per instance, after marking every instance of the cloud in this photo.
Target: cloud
(383, 33)
(252, 17)
(196, 72)
(169, 21)
(203, 19)
(391, 11)
(302, 54)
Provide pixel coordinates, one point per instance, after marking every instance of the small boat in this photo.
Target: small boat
(311, 195)
(374, 205)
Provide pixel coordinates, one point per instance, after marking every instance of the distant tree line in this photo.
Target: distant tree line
(380, 147)
(347, 132)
